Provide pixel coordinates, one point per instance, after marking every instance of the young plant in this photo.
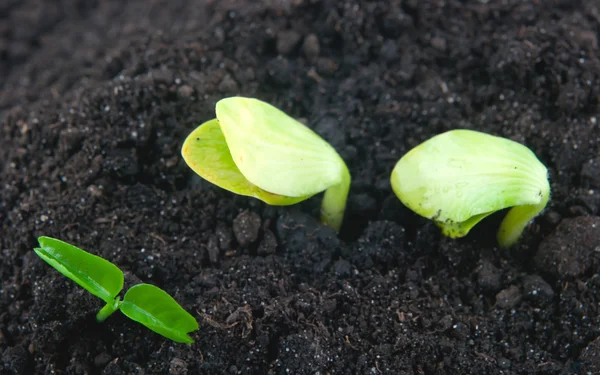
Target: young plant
(459, 177)
(256, 150)
(144, 303)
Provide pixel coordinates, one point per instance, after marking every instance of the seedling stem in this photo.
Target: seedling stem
(334, 201)
(108, 310)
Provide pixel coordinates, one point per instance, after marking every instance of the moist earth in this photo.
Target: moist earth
(96, 98)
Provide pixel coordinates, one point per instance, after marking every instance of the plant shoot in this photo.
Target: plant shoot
(144, 303)
(256, 150)
(459, 177)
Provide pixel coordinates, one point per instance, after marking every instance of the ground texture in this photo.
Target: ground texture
(96, 98)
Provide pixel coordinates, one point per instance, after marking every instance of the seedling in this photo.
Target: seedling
(256, 150)
(144, 303)
(459, 177)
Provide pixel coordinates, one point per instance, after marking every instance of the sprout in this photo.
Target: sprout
(144, 303)
(256, 150)
(459, 177)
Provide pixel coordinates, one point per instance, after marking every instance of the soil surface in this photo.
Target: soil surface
(96, 98)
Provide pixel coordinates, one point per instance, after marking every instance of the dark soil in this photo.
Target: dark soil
(96, 98)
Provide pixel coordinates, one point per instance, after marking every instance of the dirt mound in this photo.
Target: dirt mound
(96, 99)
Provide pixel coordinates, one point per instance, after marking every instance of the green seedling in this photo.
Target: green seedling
(256, 150)
(459, 177)
(144, 303)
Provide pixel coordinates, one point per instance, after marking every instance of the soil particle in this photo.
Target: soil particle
(536, 289)
(590, 173)
(268, 244)
(102, 359)
(342, 268)
(213, 249)
(281, 72)
(311, 47)
(438, 43)
(489, 277)
(224, 236)
(572, 250)
(445, 322)
(228, 84)
(178, 366)
(246, 227)
(509, 297)
(287, 40)
(185, 91)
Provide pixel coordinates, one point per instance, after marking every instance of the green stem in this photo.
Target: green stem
(108, 310)
(518, 217)
(334, 201)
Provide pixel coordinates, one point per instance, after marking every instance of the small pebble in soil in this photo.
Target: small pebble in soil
(537, 289)
(94, 191)
(213, 249)
(326, 66)
(268, 244)
(224, 235)
(185, 91)
(552, 217)
(281, 71)
(163, 76)
(438, 43)
(246, 227)
(342, 268)
(287, 41)
(228, 84)
(311, 47)
(489, 277)
(102, 359)
(509, 297)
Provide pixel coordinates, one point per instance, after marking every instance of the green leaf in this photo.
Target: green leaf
(154, 308)
(206, 152)
(459, 177)
(254, 149)
(98, 276)
(276, 152)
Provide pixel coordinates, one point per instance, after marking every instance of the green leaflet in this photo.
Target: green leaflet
(154, 308)
(459, 177)
(206, 152)
(254, 149)
(276, 152)
(96, 275)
